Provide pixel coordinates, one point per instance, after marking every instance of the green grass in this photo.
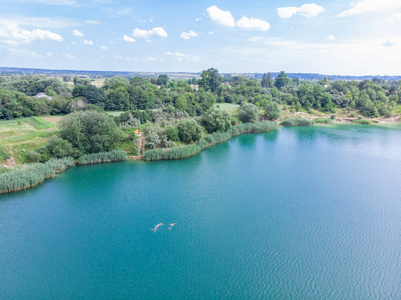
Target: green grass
(19, 139)
(323, 121)
(297, 122)
(362, 121)
(229, 107)
(115, 113)
(38, 123)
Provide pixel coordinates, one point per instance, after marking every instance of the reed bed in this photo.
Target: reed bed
(323, 121)
(95, 158)
(208, 141)
(297, 122)
(33, 174)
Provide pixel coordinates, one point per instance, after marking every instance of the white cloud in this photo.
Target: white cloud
(198, 19)
(11, 34)
(188, 35)
(252, 23)
(306, 10)
(103, 47)
(221, 17)
(128, 39)
(141, 33)
(366, 6)
(49, 54)
(88, 42)
(77, 33)
(69, 56)
(92, 22)
(182, 57)
(330, 37)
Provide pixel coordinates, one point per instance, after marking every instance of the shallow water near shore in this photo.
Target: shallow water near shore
(296, 213)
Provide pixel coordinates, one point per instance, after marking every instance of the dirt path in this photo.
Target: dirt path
(141, 144)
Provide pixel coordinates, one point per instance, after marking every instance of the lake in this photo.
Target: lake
(296, 213)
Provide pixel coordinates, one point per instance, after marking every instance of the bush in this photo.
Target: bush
(297, 122)
(57, 147)
(95, 158)
(189, 131)
(248, 113)
(362, 121)
(272, 111)
(172, 133)
(33, 156)
(216, 120)
(209, 140)
(33, 174)
(151, 138)
(91, 131)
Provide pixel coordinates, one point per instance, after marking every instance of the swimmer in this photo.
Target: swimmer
(156, 226)
(171, 225)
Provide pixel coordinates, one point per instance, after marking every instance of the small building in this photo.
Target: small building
(43, 95)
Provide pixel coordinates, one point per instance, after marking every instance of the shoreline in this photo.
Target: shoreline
(205, 146)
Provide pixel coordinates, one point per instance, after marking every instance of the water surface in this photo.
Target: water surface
(297, 213)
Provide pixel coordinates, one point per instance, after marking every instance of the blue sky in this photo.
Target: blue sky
(330, 37)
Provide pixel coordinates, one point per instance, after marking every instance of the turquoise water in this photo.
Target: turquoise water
(297, 213)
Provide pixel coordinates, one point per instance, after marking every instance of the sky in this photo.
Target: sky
(327, 37)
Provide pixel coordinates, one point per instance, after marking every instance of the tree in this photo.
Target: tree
(282, 80)
(272, 111)
(210, 80)
(59, 148)
(151, 137)
(172, 133)
(90, 131)
(216, 120)
(94, 95)
(78, 91)
(162, 79)
(189, 131)
(248, 113)
(264, 83)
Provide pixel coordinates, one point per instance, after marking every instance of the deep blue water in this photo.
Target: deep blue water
(297, 213)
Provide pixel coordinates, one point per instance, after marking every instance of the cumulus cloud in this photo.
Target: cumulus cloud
(182, 57)
(147, 34)
(128, 39)
(77, 33)
(11, 34)
(103, 47)
(88, 42)
(252, 23)
(221, 17)
(188, 35)
(330, 37)
(366, 6)
(306, 10)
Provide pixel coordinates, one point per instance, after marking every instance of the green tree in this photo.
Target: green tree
(216, 120)
(172, 133)
(94, 95)
(162, 79)
(189, 131)
(210, 80)
(282, 80)
(79, 91)
(272, 111)
(90, 131)
(248, 113)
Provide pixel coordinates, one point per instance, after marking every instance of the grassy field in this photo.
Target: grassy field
(18, 136)
(231, 108)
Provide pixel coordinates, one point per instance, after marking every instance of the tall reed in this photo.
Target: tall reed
(33, 174)
(95, 158)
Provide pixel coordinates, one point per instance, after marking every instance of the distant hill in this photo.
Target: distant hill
(184, 75)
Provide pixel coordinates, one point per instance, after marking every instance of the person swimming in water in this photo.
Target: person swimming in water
(171, 225)
(156, 226)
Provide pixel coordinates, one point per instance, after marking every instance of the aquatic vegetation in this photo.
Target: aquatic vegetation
(95, 158)
(208, 141)
(323, 121)
(33, 174)
(297, 122)
(362, 121)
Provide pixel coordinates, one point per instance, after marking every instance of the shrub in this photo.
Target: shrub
(248, 113)
(189, 131)
(362, 121)
(209, 140)
(33, 156)
(297, 122)
(272, 111)
(172, 133)
(216, 120)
